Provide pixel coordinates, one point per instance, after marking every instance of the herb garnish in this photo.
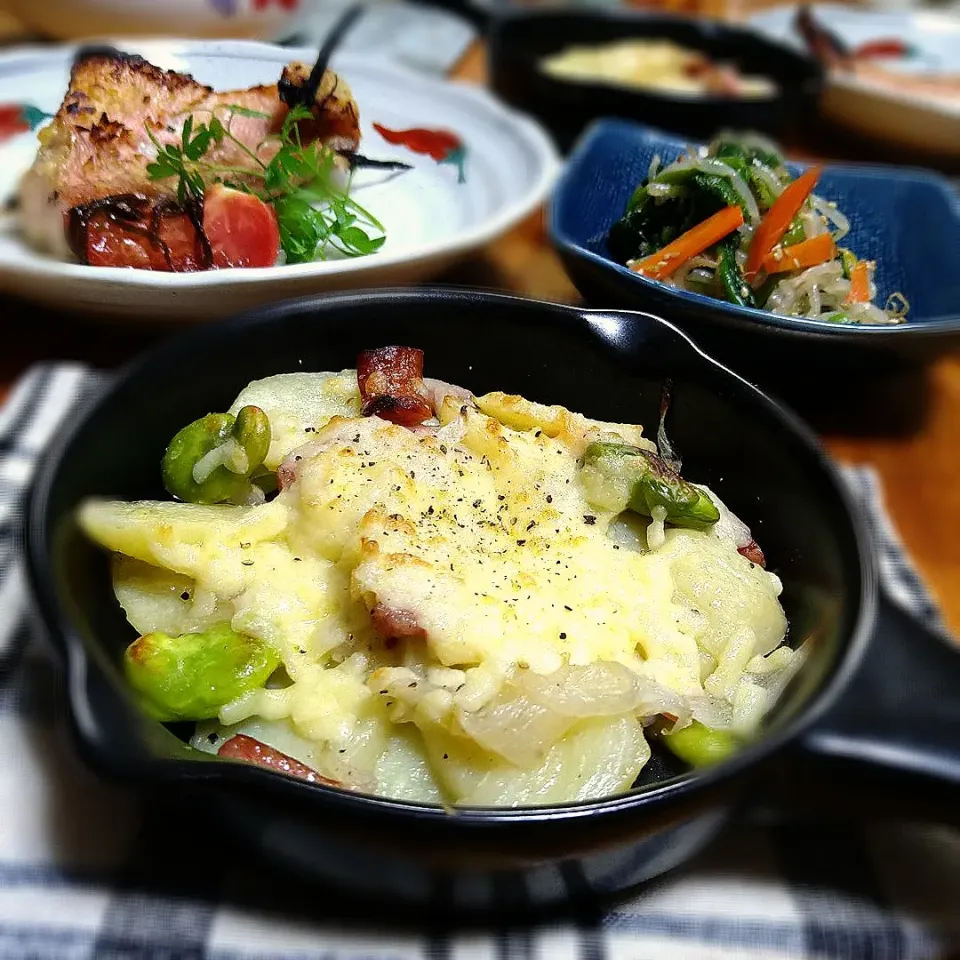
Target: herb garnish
(302, 182)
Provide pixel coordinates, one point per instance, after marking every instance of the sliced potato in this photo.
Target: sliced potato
(183, 537)
(158, 601)
(727, 590)
(403, 771)
(555, 421)
(299, 403)
(597, 758)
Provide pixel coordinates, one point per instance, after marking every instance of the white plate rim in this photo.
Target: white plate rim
(476, 236)
(838, 79)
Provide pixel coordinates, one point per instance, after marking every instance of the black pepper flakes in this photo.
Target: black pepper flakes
(589, 519)
(520, 543)
(563, 636)
(549, 498)
(185, 595)
(565, 607)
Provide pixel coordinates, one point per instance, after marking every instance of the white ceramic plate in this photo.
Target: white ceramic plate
(898, 117)
(431, 219)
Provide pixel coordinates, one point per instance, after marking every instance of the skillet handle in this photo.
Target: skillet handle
(891, 745)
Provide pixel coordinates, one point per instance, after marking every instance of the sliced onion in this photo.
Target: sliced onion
(518, 729)
(737, 650)
(602, 689)
(765, 664)
(750, 704)
(776, 681)
(711, 712)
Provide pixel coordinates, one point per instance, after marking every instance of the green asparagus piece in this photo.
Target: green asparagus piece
(618, 476)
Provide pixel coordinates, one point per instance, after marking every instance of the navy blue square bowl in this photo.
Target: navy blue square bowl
(907, 220)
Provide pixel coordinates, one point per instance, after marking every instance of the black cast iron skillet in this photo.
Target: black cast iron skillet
(761, 460)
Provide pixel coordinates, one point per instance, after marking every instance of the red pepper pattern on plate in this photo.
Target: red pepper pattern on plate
(17, 118)
(442, 145)
(228, 8)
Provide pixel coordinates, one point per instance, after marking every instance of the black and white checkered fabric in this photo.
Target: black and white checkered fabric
(89, 870)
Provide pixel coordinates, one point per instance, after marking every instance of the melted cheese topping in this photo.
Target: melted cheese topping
(491, 545)
(649, 64)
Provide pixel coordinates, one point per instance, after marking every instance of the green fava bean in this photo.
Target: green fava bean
(212, 459)
(192, 676)
(701, 746)
(624, 476)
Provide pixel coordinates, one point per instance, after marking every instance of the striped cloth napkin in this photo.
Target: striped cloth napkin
(88, 870)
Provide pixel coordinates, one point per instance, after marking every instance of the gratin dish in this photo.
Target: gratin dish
(519, 41)
(759, 458)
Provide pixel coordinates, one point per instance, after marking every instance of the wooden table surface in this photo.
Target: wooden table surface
(911, 437)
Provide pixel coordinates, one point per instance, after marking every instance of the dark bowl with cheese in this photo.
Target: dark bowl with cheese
(614, 365)
(523, 41)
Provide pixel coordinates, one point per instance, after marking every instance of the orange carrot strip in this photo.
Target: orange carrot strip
(807, 253)
(777, 219)
(674, 255)
(859, 283)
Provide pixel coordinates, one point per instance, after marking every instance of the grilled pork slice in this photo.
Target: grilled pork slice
(98, 144)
